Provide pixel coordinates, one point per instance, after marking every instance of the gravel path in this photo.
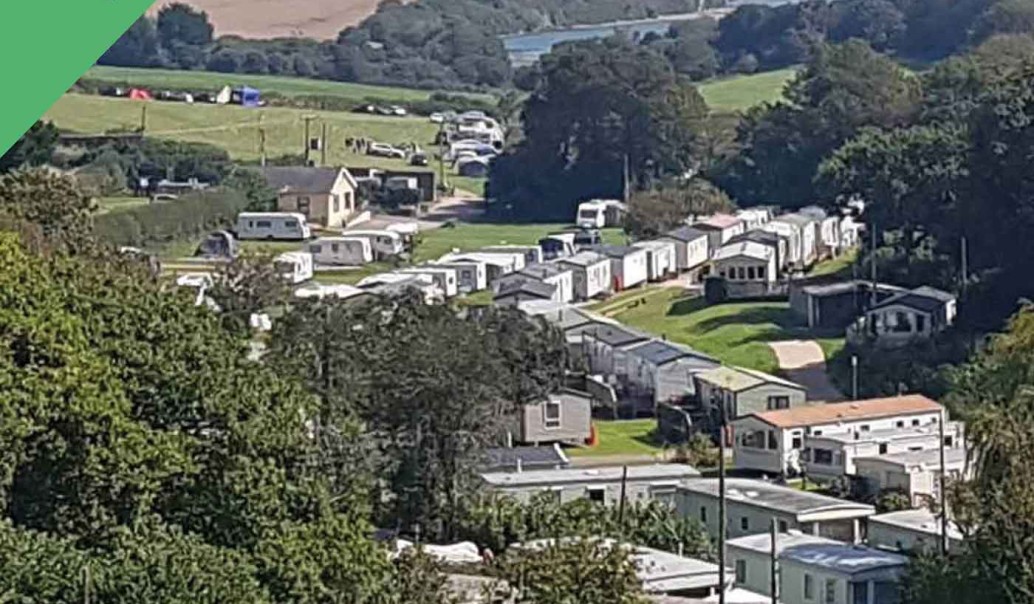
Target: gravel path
(802, 361)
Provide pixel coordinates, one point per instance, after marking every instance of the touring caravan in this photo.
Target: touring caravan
(445, 278)
(557, 245)
(295, 267)
(290, 226)
(600, 213)
(344, 251)
(471, 275)
(408, 231)
(385, 243)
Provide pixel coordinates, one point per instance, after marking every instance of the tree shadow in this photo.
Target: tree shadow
(780, 317)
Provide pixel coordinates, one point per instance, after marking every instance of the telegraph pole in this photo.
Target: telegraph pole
(872, 266)
(965, 266)
(323, 144)
(854, 377)
(262, 146)
(944, 498)
(441, 155)
(143, 118)
(721, 499)
(308, 119)
(773, 562)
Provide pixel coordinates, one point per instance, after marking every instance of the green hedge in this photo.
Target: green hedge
(164, 222)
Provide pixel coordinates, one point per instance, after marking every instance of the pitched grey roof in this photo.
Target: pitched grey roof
(613, 335)
(922, 298)
(527, 286)
(616, 251)
(586, 258)
(532, 458)
(542, 271)
(301, 178)
(659, 352)
(687, 234)
(798, 219)
(757, 236)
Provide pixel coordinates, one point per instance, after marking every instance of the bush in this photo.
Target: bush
(190, 216)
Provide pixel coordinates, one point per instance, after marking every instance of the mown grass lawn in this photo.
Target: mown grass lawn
(106, 205)
(735, 333)
(738, 93)
(621, 437)
(466, 237)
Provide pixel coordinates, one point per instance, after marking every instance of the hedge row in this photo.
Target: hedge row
(164, 222)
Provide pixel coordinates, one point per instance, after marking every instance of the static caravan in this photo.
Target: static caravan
(660, 258)
(591, 274)
(296, 267)
(290, 226)
(557, 245)
(532, 253)
(345, 251)
(628, 265)
(496, 265)
(471, 275)
(385, 243)
(444, 277)
(600, 213)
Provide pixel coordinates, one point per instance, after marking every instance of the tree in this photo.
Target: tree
(653, 213)
(1004, 17)
(247, 285)
(182, 23)
(34, 148)
(52, 202)
(139, 46)
(574, 570)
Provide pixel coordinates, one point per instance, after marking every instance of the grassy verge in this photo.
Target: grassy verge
(738, 93)
(467, 237)
(107, 205)
(622, 437)
(841, 265)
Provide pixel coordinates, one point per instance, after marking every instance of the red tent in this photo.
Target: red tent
(140, 94)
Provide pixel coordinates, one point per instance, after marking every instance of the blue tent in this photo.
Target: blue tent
(248, 97)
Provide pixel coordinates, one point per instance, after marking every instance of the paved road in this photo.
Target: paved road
(459, 208)
(803, 361)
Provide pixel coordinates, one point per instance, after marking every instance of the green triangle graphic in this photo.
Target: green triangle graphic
(47, 45)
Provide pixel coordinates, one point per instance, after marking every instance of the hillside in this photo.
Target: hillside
(320, 19)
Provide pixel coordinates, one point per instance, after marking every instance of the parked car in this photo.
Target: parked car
(400, 111)
(385, 150)
(437, 118)
(418, 159)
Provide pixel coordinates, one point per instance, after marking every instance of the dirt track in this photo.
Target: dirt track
(322, 19)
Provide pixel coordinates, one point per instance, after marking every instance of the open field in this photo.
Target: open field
(735, 333)
(107, 205)
(321, 19)
(621, 437)
(466, 237)
(285, 85)
(738, 93)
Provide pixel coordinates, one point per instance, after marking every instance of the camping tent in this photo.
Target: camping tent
(224, 96)
(247, 97)
(139, 94)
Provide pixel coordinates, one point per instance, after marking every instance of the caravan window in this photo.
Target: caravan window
(551, 411)
(334, 247)
(264, 224)
(316, 249)
(290, 223)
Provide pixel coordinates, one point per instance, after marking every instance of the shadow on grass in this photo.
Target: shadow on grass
(650, 439)
(687, 306)
(780, 317)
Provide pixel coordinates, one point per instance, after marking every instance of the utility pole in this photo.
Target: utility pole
(872, 266)
(965, 266)
(323, 144)
(854, 377)
(944, 497)
(624, 180)
(621, 502)
(308, 119)
(441, 155)
(773, 562)
(721, 498)
(86, 584)
(143, 118)
(262, 146)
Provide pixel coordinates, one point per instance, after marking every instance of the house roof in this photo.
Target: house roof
(657, 472)
(849, 411)
(653, 244)
(617, 251)
(928, 458)
(846, 287)
(921, 520)
(499, 459)
(757, 236)
(928, 432)
(842, 558)
(586, 258)
(738, 379)
(527, 286)
(660, 352)
(923, 298)
(748, 249)
(570, 317)
(687, 234)
(774, 497)
(719, 221)
(615, 335)
(500, 259)
(762, 542)
(303, 179)
(542, 271)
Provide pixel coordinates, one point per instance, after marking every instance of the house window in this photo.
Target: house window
(744, 523)
(596, 494)
(663, 494)
(741, 571)
(899, 424)
(823, 457)
(703, 513)
(315, 248)
(773, 440)
(762, 273)
(753, 440)
(337, 203)
(816, 433)
(290, 224)
(303, 205)
(809, 587)
(797, 442)
(831, 592)
(920, 323)
(750, 273)
(949, 441)
(883, 448)
(348, 201)
(778, 402)
(861, 592)
(915, 422)
(551, 411)
(783, 527)
(865, 427)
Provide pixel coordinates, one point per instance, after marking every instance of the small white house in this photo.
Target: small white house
(628, 265)
(916, 473)
(558, 245)
(910, 531)
(692, 249)
(472, 275)
(340, 291)
(660, 258)
(295, 267)
(791, 233)
(394, 284)
(915, 314)
(385, 243)
(285, 226)
(600, 213)
(754, 218)
(746, 261)
(751, 557)
(828, 227)
(833, 455)
(840, 573)
(807, 234)
(606, 346)
(496, 265)
(723, 227)
(345, 251)
(591, 272)
(443, 277)
(600, 485)
(518, 291)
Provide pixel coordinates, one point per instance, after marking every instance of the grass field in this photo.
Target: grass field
(467, 237)
(738, 93)
(287, 86)
(736, 334)
(621, 437)
(107, 205)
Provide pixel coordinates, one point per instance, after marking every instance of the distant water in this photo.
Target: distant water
(525, 49)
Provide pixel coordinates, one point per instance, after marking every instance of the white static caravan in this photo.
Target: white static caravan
(660, 258)
(471, 275)
(444, 277)
(385, 243)
(496, 265)
(532, 253)
(344, 251)
(627, 265)
(600, 213)
(290, 226)
(591, 274)
(296, 267)
(557, 246)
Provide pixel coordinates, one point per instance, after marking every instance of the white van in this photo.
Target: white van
(296, 267)
(344, 251)
(272, 225)
(385, 243)
(444, 277)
